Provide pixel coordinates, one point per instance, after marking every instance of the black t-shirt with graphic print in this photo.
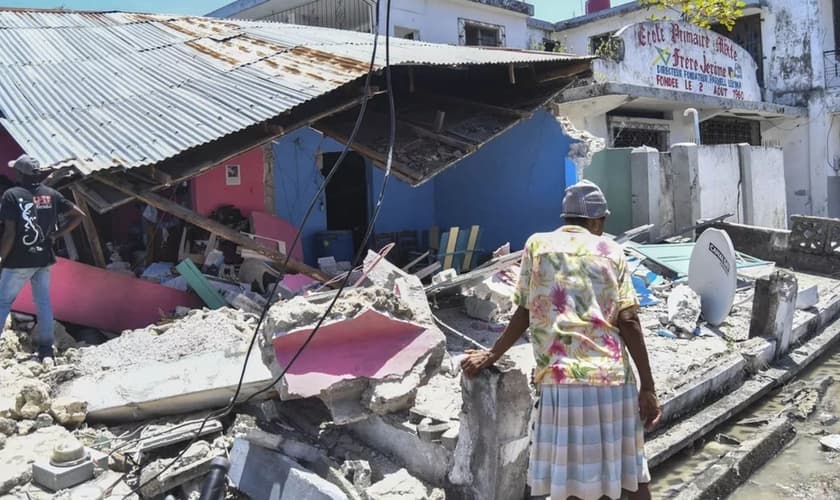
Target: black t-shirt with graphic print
(35, 210)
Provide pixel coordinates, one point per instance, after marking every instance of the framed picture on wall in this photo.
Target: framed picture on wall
(233, 175)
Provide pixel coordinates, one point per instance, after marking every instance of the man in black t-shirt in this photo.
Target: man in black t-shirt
(30, 213)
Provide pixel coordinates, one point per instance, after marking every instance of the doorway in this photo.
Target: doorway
(347, 195)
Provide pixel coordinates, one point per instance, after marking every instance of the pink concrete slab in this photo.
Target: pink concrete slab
(371, 345)
(295, 282)
(94, 297)
(269, 226)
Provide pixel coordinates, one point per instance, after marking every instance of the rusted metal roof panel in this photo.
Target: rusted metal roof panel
(102, 90)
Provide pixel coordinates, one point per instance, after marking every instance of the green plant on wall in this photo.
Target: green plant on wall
(610, 48)
(549, 45)
(703, 13)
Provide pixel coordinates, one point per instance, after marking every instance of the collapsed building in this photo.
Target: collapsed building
(162, 370)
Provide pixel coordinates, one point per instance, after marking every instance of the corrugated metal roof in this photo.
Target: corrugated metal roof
(101, 90)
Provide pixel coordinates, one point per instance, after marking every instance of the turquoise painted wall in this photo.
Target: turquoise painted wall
(610, 169)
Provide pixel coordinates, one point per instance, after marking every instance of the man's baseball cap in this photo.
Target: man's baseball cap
(584, 200)
(26, 165)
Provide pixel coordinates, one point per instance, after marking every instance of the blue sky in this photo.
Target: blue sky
(549, 10)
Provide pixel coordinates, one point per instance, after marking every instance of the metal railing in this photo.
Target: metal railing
(355, 15)
(831, 60)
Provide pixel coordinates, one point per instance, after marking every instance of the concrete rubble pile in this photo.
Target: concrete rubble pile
(381, 426)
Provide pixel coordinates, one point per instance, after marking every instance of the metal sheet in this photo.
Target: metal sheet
(102, 90)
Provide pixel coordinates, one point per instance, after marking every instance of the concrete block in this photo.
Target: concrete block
(491, 456)
(483, 309)
(685, 165)
(56, 478)
(807, 297)
(449, 439)
(774, 305)
(267, 475)
(401, 485)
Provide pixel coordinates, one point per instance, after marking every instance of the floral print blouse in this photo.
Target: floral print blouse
(574, 284)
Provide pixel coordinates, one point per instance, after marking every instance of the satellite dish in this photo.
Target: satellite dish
(713, 274)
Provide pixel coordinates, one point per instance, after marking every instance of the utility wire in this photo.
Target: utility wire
(371, 225)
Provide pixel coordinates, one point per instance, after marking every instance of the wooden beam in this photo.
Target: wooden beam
(210, 225)
(491, 108)
(565, 71)
(90, 229)
(431, 134)
(440, 117)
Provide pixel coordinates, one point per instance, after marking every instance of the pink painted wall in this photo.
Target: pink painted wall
(90, 296)
(209, 190)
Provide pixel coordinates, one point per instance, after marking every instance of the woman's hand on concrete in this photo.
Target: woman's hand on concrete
(474, 361)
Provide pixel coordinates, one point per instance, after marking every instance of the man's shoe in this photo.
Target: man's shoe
(48, 363)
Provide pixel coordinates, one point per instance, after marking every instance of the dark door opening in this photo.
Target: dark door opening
(347, 196)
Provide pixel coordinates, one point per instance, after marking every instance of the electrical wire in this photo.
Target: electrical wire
(371, 224)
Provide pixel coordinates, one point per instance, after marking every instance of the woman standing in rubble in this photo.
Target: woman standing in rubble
(576, 294)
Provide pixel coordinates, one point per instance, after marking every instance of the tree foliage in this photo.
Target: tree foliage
(703, 13)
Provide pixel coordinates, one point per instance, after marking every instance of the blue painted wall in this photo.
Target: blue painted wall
(404, 207)
(512, 188)
(297, 179)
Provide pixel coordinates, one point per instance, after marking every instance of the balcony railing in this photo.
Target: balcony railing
(831, 60)
(355, 15)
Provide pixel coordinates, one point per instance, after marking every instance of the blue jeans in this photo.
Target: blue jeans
(12, 282)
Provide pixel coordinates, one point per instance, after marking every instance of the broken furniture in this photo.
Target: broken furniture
(459, 249)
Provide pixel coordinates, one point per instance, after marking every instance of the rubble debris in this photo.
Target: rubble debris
(20, 452)
(444, 276)
(430, 431)
(194, 463)
(684, 308)
(32, 400)
(25, 427)
(483, 309)
(401, 485)
(585, 145)
(831, 442)
(826, 419)
(68, 412)
(8, 427)
(390, 396)
(267, 475)
(807, 297)
(43, 420)
(357, 471)
(802, 399)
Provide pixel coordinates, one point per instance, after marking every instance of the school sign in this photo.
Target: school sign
(678, 56)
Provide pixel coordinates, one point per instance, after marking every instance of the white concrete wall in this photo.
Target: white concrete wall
(576, 40)
(792, 137)
(763, 186)
(437, 20)
(718, 176)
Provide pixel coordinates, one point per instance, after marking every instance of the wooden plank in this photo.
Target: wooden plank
(431, 268)
(428, 133)
(416, 261)
(72, 251)
(268, 178)
(491, 108)
(89, 228)
(209, 295)
(449, 250)
(475, 231)
(460, 249)
(211, 226)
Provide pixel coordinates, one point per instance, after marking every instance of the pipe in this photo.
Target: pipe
(216, 481)
(694, 112)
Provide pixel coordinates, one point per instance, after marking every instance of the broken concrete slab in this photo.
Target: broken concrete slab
(428, 461)
(268, 475)
(396, 394)
(483, 309)
(371, 345)
(401, 485)
(190, 364)
(20, 452)
(357, 471)
(101, 302)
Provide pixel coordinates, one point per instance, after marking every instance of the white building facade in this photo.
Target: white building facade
(792, 101)
(494, 23)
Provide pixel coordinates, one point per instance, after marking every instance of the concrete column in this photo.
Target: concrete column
(685, 165)
(747, 185)
(774, 305)
(491, 457)
(645, 188)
